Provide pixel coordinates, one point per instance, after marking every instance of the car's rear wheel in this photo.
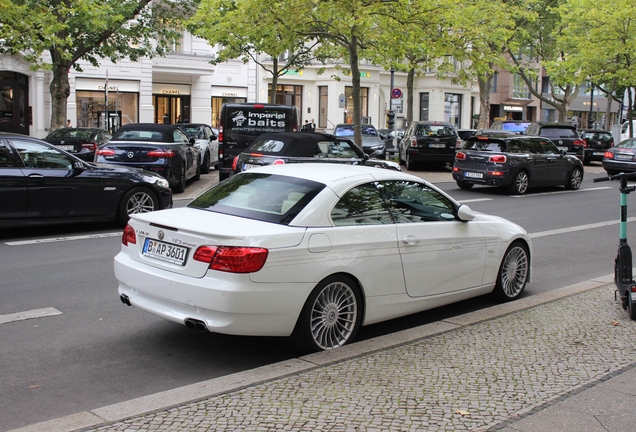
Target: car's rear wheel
(205, 168)
(519, 184)
(180, 186)
(136, 200)
(575, 179)
(330, 317)
(197, 175)
(463, 185)
(409, 163)
(513, 272)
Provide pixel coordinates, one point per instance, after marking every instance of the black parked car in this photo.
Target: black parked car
(595, 143)
(515, 162)
(563, 135)
(431, 142)
(41, 184)
(621, 158)
(161, 148)
(82, 142)
(372, 144)
(303, 147)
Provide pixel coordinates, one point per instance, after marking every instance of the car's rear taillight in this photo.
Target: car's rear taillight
(279, 162)
(161, 153)
(585, 143)
(460, 155)
(458, 144)
(89, 145)
(579, 142)
(232, 259)
(105, 152)
(234, 163)
(129, 236)
(608, 155)
(497, 159)
(220, 137)
(413, 142)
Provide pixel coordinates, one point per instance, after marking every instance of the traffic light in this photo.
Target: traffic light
(390, 119)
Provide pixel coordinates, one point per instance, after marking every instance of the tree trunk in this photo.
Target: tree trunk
(60, 92)
(410, 80)
(355, 81)
(484, 101)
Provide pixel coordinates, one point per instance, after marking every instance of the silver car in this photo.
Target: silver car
(207, 141)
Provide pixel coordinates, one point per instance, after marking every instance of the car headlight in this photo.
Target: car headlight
(162, 182)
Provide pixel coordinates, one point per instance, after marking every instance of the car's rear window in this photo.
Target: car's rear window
(138, 135)
(264, 197)
(515, 127)
(483, 145)
(435, 130)
(72, 133)
(558, 132)
(347, 130)
(193, 132)
(268, 146)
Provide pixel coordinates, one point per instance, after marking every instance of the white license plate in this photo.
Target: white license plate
(66, 147)
(598, 153)
(562, 148)
(437, 145)
(623, 157)
(165, 251)
(249, 166)
(473, 175)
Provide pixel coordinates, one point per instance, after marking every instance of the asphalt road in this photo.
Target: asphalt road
(99, 352)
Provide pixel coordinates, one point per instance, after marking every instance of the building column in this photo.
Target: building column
(40, 123)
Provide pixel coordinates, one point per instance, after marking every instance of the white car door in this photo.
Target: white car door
(440, 254)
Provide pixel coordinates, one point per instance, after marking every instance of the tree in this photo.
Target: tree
(248, 28)
(56, 34)
(602, 42)
(536, 40)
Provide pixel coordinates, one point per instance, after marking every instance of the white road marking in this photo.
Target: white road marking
(577, 228)
(61, 239)
(35, 313)
(560, 192)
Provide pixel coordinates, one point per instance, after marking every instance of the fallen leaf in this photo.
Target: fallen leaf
(615, 323)
(462, 413)
(31, 387)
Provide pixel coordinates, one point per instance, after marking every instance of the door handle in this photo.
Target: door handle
(34, 175)
(410, 240)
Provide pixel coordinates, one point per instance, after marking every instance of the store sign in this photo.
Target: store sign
(294, 72)
(229, 94)
(513, 108)
(170, 89)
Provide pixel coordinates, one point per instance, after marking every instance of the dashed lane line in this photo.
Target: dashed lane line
(35, 313)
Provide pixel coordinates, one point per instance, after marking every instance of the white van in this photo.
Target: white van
(625, 130)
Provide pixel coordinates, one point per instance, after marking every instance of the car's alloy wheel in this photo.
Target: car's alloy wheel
(575, 179)
(520, 183)
(513, 273)
(331, 316)
(137, 200)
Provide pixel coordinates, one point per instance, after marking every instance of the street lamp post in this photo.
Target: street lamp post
(589, 118)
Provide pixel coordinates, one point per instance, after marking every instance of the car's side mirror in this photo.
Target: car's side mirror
(192, 140)
(78, 167)
(563, 152)
(213, 137)
(465, 214)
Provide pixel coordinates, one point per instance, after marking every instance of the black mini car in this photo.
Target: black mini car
(303, 147)
(563, 135)
(164, 149)
(596, 142)
(515, 162)
(82, 142)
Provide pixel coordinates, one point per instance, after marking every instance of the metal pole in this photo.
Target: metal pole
(589, 119)
(106, 102)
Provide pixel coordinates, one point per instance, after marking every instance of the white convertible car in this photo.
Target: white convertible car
(314, 251)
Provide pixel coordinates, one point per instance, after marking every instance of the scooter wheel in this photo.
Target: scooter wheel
(631, 306)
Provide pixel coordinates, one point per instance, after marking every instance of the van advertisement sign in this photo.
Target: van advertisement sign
(245, 120)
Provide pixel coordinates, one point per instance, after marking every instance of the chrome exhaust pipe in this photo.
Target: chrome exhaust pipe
(195, 324)
(125, 300)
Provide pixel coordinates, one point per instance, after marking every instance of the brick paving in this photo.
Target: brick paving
(478, 377)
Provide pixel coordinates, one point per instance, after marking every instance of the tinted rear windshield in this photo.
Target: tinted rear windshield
(557, 132)
(72, 133)
(138, 135)
(515, 127)
(482, 145)
(264, 197)
(347, 130)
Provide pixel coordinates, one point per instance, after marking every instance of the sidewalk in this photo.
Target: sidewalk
(557, 361)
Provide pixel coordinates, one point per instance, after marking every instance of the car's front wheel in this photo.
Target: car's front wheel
(519, 184)
(575, 179)
(330, 317)
(136, 200)
(513, 272)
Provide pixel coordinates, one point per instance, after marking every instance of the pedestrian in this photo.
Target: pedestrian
(313, 125)
(306, 127)
(68, 123)
(166, 119)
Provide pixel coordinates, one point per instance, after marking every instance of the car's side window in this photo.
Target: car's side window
(412, 202)
(530, 146)
(6, 157)
(180, 137)
(336, 149)
(362, 205)
(35, 155)
(514, 147)
(547, 147)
